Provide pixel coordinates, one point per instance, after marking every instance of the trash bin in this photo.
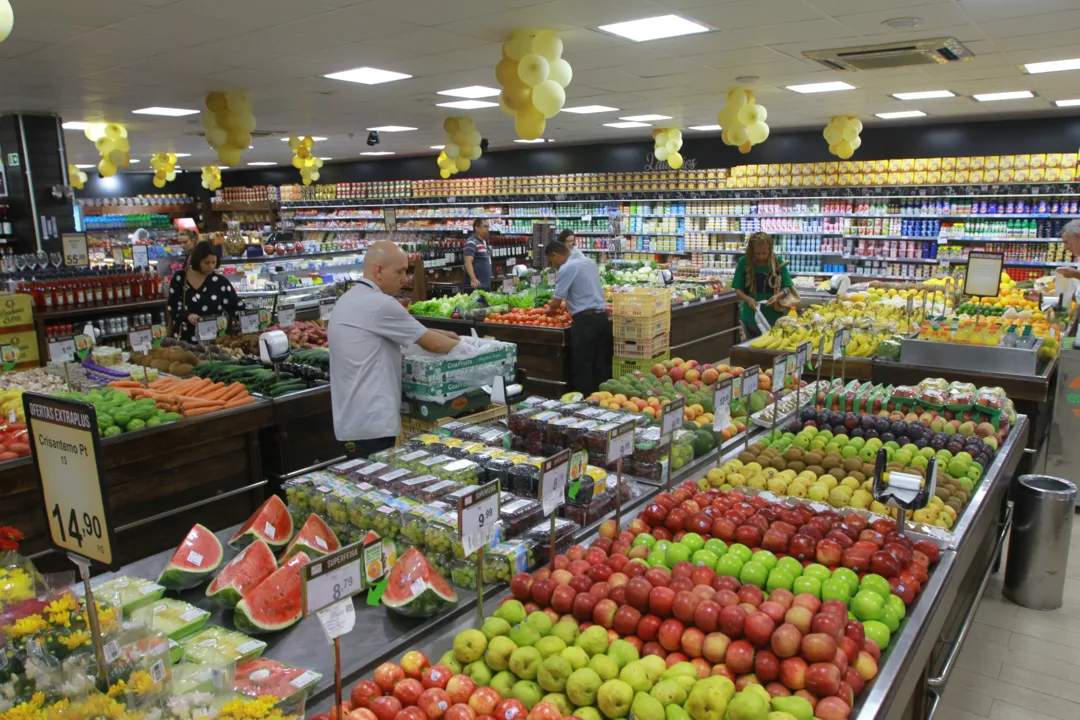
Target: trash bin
(1039, 547)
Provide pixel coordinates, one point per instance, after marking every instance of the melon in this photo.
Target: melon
(198, 556)
(253, 565)
(315, 538)
(416, 589)
(275, 603)
(270, 523)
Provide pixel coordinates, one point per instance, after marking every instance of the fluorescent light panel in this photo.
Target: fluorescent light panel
(392, 128)
(166, 111)
(901, 114)
(378, 152)
(326, 158)
(834, 86)
(623, 125)
(1010, 95)
(468, 104)
(285, 139)
(180, 155)
(655, 28)
(438, 147)
(1067, 103)
(590, 109)
(1051, 66)
(472, 92)
(368, 76)
(76, 125)
(645, 118)
(84, 167)
(706, 128)
(924, 95)
(537, 140)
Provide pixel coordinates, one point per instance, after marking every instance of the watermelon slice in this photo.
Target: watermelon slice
(198, 556)
(416, 589)
(315, 538)
(275, 603)
(270, 523)
(260, 677)
(243, 573)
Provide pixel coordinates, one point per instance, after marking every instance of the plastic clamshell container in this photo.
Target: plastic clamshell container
(348, 468)
(525, 477)
(439, 532)
(175, 618)
(219, 646)
(127, 592)
(505, 560)
(438, 490)
(463, 573)
(411, 460)
(465, 472)
(413, 486)
(590, 512)
(540, 536)
(520, 515)
(385, 456)
(392, 481)
(416, 520)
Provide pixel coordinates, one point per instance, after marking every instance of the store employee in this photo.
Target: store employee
(368, 330)
(478, 257)
(1070, 235)
(567, 238)
(578, 287)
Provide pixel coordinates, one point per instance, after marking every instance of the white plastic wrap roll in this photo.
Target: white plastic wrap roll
(273, 345)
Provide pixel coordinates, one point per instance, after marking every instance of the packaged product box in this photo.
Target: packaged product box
(798, 169)
(819, 180)
(948, 177)
(751, 170)
(712, 185)
(933, 164)
(819, 168)
(893, 178)
(1038, 175)
(832, 180)
(976, 176)
(1008, 162)
(963, 163)
(753, 182)
(1068, 160)
(991, 176)
(1053, 160)
(774, 182)
(978, 162)
(894, 165)
(731, 182)
(933, 177)
(844, 180)
(948, 163)
(1053, 174)
(785, 169)
(907, 178)
(1068, 174)
(1023, 162)
(920, 178)
(738, 171)
(907, 165)
(774, 170)
(1022, 175)
(920, 164)
(1038, 160)
(1007, 175)
(845, 167)
(797, 181)
(785, 181)
(857, 178)
(831, 168)
(740, 183)
(962, 176)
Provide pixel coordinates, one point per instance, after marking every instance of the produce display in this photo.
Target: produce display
(260, 378)
(186, 397)
(531, 316)
(178, 357)
(416, 589)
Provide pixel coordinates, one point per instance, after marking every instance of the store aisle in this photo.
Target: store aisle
(1020, 664)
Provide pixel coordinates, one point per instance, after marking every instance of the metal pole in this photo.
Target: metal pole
(618, 493)
(337, 672)
(92, 616)
(551, 552)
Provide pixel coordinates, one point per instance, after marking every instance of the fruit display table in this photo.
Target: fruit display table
(706, 328)
(855, 369)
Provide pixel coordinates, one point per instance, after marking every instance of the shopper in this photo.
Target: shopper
(567, 238)
(761, 281)
(578, 287)
(199, 292)
(478, 258)
(367, 332)
(187, 240)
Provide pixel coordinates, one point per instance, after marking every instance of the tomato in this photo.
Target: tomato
(19, 448)
(5, 456)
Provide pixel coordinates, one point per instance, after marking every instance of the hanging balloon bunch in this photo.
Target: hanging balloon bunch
(211, 177)
(76, 177)
(462, 146)
(304, 159)
(842, 134)
(7, 19)
(668, 144)
(533, 77)
(111, 141)
(229, 122)
(743, 120)
(164, 165)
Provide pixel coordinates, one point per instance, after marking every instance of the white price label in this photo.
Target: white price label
(673, 416)
(139, 256)
(722, 405)
(620, 442)
(333, 577)
(477, 513)
(802, 356)
(75, 250)
(779, 371)
(338, 619)
(749, 381)
(112, 651)
(286, 316)
(206, 330)
(249, 323)
(195, 558)
(326, 309)
(910, 305)
(157, 671)
(61, 351)
(141, 340)
(553, 481)
(507, 286)
(534, 281)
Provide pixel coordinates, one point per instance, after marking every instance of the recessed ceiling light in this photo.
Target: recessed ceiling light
(472, 92)
(367, 76)
(1010, 95)
(833, 86)
(1067, 103)
(924, 95)
(537, 140)
(622, 125)
(646, 118)
(1051, 66)
(378, 152)
(903, 23)
(180, 155)
(166, 111)
(261, 163)
(285, 139)
(133, 161)
(901, 114)
(326, 158)
(76, 125)
(392, 128)
(438, 147)
(655, 28)
(468, 104)
(83, 167)
(589, 109)
(706, 128)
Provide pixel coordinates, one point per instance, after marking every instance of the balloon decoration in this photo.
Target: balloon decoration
(111, 141)
(304, 160)
(743, 120)
(462, 146)
(229, 122)
(842, 134)
(668, 144)
(211, 177)
(7, 19)
(164, 165)
(533, 77)
(76, 177)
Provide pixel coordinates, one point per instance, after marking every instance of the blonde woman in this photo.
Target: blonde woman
(761, 281)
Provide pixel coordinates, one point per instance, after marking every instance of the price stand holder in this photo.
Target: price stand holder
(286, 315)
(579, 461)
(65, 445)
(139, 256)
(141, 340)
(802, 356)
(620, 443)
(84, 344)
(477, 513)
(157, 333)
(76, 253)
(670, 421)
(721, 413)
(554, 479)
(845, 338)
(62, 349)
(747, 387)
(779, 375)
(206, 329)
(249, 323)
(326, 308)
(820, 357)
(265, 317)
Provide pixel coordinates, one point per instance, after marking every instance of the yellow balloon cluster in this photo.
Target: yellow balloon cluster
(533, 77)
(229, 122)
(462, 146)
(7, 19)
(743, 120)
(111, 141)
(76, 177)
(668, 144)
(211, 177)
(164, 165)
(304, 159)
(842, 134)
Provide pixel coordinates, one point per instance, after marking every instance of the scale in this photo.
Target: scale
(906, 491)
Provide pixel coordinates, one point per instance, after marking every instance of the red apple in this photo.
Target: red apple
(785, 641)
(388, 675)
(649, 627)
(692, 642)
(870, 647)
(626, 620)
(460, 688)
(829, 624)
(600, 589)
(437, 676)
(793, 673)
(685, 605)
(818, 648)
(751, 594)
(777, 689)
(541, 591)
(858, 560)
(832, 708)
(866, 666)
(521, 586)
(732, 621)
(800, 617)
(855, 630)
(703, 575)
(661, 600)
(758, 629)
(579, 566)
(850, 649)
(707, 616)
(854, 679)
(408, 691)
(740, 657)
(562, 599)
(359, 714)
(704, 667)
(583, 606)
(658, 576)
(675, 657)
(774, 610)
(835, 607)
(705, 592)
(808, 601)
(510, 709)
(653, 648)
(722, 669)
(715, 646)
(386, 707)
(749, 535)
(364, 692)
(726, 597)
(802, 547)
(598, 573)
(783, 597)
(670, 634)
(766, 666)
(829, 553)
(681, 584)
(724, 529)
(604, 613)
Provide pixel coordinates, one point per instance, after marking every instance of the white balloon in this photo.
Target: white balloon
(661, 153)
(452, 151)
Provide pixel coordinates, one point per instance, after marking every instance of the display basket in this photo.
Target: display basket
(641, 302)
(640, 328)
(643, 349)
(622, 366)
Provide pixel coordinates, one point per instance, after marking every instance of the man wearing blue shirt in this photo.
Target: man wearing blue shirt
(477, 258)
(578, 287)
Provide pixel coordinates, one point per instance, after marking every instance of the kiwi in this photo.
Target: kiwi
(858, 475)
(813, 457)
(943, 493)
(830, 462)
(955, 504)
(961, 495)
(816, 469)
(868, 469)
(921, 472)
(746, 458)
(895, 465)
(852, 463)
(796, 465)
(757, 447)
(779, 463)
(793, 454)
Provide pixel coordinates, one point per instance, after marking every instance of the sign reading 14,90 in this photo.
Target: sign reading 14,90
(65, 445)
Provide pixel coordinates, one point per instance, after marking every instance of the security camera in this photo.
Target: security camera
(373, 138)
(484, 144)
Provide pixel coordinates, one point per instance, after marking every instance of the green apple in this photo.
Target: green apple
(867, 605)
(729, 565)
(876, 583)
(741, 551)
(717, 546)
(835, 589)
(704, 557)
(643, 539)
(754, 573)
(890, 619)
(818, 571)
(764, 557)
(790, 565)
(779, 580)
(804, 584)
(878, 632)
(678, 553)
(693, 541)
(657, 559)
(661, 545)
(896, 604)
(849, 577)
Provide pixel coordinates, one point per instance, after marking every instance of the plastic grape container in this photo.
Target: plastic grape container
(507, 559)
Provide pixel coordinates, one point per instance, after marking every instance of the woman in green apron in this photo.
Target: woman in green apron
(763, 285)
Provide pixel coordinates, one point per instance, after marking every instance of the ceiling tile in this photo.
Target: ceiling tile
(795, 32)
(751, 13)
(1031, 25)
(348, 24)
(933, 16)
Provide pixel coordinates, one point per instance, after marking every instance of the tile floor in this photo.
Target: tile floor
(1020, 664)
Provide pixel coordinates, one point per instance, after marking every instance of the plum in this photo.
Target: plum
(882, 425)
(869, 422)
(836, 419)
(899, 429)
(808, 413)
(915, 431)
(823, 418)
(903, 440)
(886, 437)
(858, 432)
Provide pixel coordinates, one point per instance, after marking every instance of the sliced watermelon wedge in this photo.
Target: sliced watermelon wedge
(243, 573)
(416, 589)
(270, 523)
(197, 557)
(315, 538)
(275, 603)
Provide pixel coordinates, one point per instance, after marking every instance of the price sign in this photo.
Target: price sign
(507, 286)
(83, 344)
(910, 305)
(206, 329)
(673, 416)
(333, 577)
(779, 371)
(265, 316)
(373, 561)
(157, 332)
(75, 250)
(286, 316)
(840, 346)
(749, 381)
(553, 480)
(139, 256)
(534, 281)
(222, 323)
(326, 308)
(578, 463)
(249, 323)
(118, 256)
(802, 356)
(943, 265)
(620, 442)
(62, 350)
(141, 340)
(477, 513)
(722, 404)
(66, 448)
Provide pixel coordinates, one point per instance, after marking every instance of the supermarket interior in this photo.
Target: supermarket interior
(823, 255)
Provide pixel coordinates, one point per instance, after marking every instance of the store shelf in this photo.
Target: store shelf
(97, 310)
(263, 206)
(88, 210)
(290, 256)
(304, 218)
(861, 258)
(338, 229)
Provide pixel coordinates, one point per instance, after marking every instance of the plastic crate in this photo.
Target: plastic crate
(640, 328)
(641, 302)
(623, 366)
(642, 348)
(415, 426)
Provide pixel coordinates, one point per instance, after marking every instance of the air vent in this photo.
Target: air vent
(255, 134)
(936, 51)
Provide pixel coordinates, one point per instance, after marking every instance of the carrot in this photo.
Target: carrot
(234, 391)
(237, 403)
(199, 411)
(218, 390)
(125, 384)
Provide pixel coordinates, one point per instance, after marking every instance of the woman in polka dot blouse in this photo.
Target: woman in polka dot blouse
(199, 291)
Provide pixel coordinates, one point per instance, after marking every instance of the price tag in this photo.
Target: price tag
(534, 281)
(118, 256)
(791, 359)
(802, 356)
(141, 340)
(373, 561)
(620, 442)
(507, 286)
(722, 405)
(840, 346)
(66, 448)
(286, 316)
(578, 463)
(326, 308)
(62, 350)
(75, 250)
(157, 331)
(672, 419)
(83, 344)
(943, 265)
(206, 330)
(333, 577)
(265, 316)
(222, 323)
(337, 619)
(249, 323)
(139, 256)
(910, 305)
(749, 381)
(477, 513)
(779, 372)
(553, 480)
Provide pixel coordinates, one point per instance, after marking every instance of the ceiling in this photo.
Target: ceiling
(100, 60)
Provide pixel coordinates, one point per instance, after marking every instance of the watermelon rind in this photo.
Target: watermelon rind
(315, 538)
(416, 589)
(271, 523)
(243, 573)
(195, 560)
(275, 603)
